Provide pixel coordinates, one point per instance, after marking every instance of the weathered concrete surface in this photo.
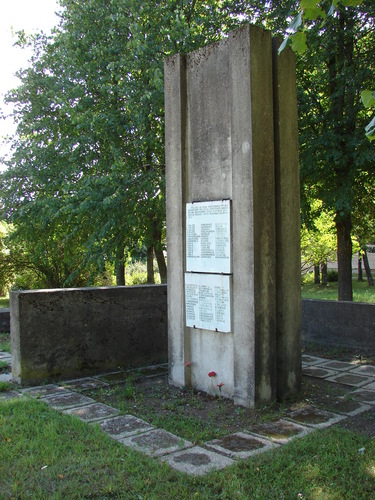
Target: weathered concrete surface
(75, 332)
(288, 252)
(4, 320)
(220, 130)
(339, 324)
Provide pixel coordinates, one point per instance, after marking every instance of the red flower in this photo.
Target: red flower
(188, 364)
(212, 374)
(220, 385)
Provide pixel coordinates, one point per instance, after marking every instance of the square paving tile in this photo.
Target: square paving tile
(84, 384)
(42, 391)
(124, 426)
(153, 371)
(197, 461)
(311, 416)
(364, 396)
(366, 370)
(156, 443)
(352, 379)
(348, 407)
(240, 445)
(338, 365)
(312, 360)
(92, 412)
(114, 377)
(67, 400)
(5, 377)
(9, 395)
(370, 387)
(280, 431)
(318, 372)
(5, 356)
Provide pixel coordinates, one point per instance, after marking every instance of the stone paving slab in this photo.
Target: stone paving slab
(312, 360)
(366, 370)
(318, 372)
(114, 377)
(92, 412)
(240, 445)
(338, 365)
(197, 461)
(124, 426)
(370, 387)
(346, 406)
(42, 391)
(5, 356)
(156, 443)
(351, 379)
(364, 396)
(84, 384)
(152, 371)
(67, 400)
(9, 395)
(311, 416)
(280, 431)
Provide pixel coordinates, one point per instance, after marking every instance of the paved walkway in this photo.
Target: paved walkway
(199, 460)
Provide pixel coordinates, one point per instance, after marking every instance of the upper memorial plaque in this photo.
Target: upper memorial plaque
(208, 242)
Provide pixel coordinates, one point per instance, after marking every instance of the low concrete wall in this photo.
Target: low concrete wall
(4, 320)
(339, 324)
(73, 332)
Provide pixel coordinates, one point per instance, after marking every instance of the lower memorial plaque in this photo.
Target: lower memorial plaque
(208, 301)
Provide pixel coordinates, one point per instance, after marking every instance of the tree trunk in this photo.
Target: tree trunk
(323, 268)
(120, 268)
(360, 276)
(316, 274)
(344, 257)
(368, 270)
(160, 256)
(150, 266)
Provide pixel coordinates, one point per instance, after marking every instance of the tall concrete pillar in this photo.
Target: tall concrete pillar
(220, 145)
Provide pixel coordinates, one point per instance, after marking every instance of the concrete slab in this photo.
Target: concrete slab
(42, 391)
(5, 396)
(365, 370)
(124, 426)
(156, 443)
(84, 384)
(351, 379)
(67, 400)
(114, 377)
(370, 387)
(92, 412)
(5, 377)
(364, 396)
(318, 372)
(197, 461)
(313, 417)
(240, 445)
(312, 360)
(5, 356)
(152, 371)
(338, 365)
(280, 431)
(348, 407)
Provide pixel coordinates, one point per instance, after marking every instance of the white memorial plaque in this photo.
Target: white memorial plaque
(208, 242)
(208, 301)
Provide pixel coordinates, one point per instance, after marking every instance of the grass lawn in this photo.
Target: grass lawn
(4, 302)
(47, 455)
(361, 291)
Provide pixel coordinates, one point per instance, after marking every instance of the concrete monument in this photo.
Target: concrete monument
(233, 219)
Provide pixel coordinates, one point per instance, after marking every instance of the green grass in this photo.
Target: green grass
(4, 302)
(44, 454)
(361, 291)
(5, 342)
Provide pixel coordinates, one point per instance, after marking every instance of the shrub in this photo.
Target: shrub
(332, 276)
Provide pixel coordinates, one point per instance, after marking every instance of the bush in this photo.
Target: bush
(332, 276)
